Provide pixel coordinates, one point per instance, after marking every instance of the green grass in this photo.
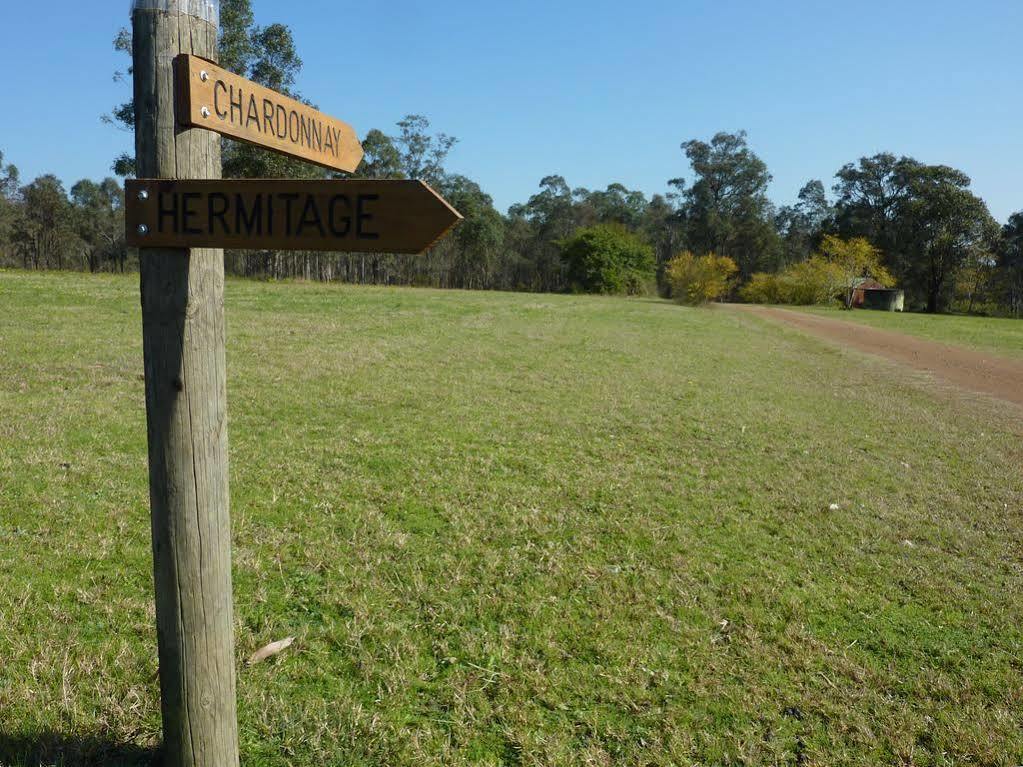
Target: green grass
(993, 334)
(518, 530)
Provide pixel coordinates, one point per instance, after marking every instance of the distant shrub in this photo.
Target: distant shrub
(608, 258)
(979, 308)
(825, 277)
(814, 281)
(698, 280)
(856, 258)
(762, 288)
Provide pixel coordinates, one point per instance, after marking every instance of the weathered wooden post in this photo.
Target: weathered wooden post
(179, 215)
(186, 407)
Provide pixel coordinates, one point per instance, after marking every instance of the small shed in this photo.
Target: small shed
(884, 299)
(859, 288)
(868, 293)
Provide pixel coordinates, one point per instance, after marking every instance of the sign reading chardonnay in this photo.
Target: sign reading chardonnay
(213, 98)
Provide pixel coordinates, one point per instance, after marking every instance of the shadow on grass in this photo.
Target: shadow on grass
(54, 749)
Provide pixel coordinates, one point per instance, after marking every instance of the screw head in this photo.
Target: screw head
(205, 111)
(143, 194)
(204, 75)
(143, 229)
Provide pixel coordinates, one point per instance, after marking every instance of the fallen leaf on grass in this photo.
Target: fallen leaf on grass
(269, 650)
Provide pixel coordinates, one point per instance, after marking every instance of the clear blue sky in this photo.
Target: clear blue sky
(596, 91)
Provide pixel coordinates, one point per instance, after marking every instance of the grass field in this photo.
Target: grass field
(1003, 336)
(518, 530)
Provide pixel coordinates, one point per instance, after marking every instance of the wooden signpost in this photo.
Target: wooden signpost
(213, 98)
(179, 214)
(364, 216)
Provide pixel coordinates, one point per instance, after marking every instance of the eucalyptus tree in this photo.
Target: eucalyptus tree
(1010, 264)
(727, 208)
(944, 222)
(422, 154)
(9, 208)
(381, 159)
(98, 219)
(924, 218)
(870, 199)
(476, 246)
(45, 231)
(539, 224)
(803, 225)
(614, 205)
(663, 226)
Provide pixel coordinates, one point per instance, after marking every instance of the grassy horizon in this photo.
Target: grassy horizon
(518, 529)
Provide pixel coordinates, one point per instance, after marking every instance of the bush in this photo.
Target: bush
(823, 278)
(608, 259)
(814, 281)
(855, 258)
(694, 281)
(762, 288)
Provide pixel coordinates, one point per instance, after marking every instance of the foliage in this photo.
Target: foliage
(727, 210)
(45, 230)
(802, 225)
(699, 280)
(414, 152)
(9, 208)
(608, 258)
(1010, 265)
(826, 276)
(922, 217)
(870, 196)
(8, 179)
(813, 281)
(476, 244)
(947, 222)
(761, 288)
(275, 61)
(42, 227)
(236, 42)
(537, 226)
(381, 158)
(976, 282)
(422, 155)
(540, 224)
(857, 259)
(98, 220)
(614, 205)
(662, 224)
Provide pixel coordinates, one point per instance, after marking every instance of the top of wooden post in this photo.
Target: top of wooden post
(207, 10)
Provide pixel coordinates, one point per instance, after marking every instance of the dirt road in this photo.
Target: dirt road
(969, 369)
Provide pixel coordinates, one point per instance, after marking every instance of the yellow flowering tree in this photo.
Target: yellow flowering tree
(855, 258)
(698, 280)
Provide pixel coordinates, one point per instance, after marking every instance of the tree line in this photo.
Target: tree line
(934, 235)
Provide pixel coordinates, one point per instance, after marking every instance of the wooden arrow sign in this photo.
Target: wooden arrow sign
(213, 98)
(353, 216)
